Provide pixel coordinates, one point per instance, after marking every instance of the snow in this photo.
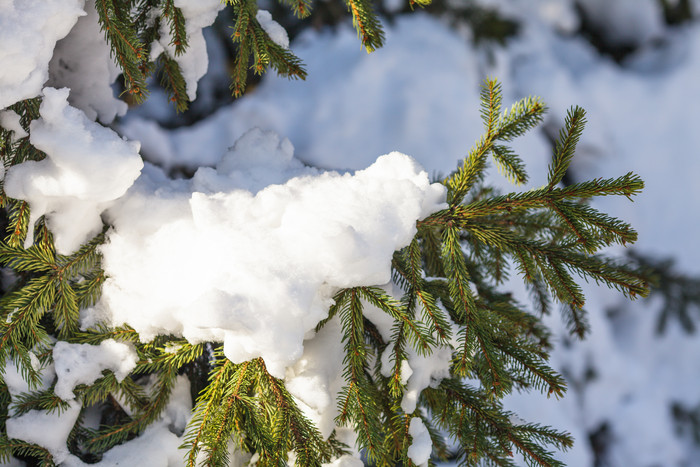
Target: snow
(83, 363)
(156, 447)
(421, 447)
(10, 120)
(250, 250)
(250, 254)
(29, 30)
(33, 427)
(355, 105)
(643, 19)
(87, 166)
(345, 461)
(417, 371)
(272, 28)
(314, 379)
(193, 62)
(82, 62)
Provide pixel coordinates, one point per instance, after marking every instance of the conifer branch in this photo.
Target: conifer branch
(565, 146)
(300, 8)
(254, 43)
(368, 27)
(18, 225)
(206, 406)
(43, 400)
(126, 48)
(449, 277)
(407, 268)
(421, 339)
(173, 82)
(176, 21)
(23, 449)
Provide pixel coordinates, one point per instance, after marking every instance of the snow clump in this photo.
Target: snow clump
(10, 120)
(47, 429)
(419, 451)
(251, 253)
(83, 363)
(273, 29)
(87, 166)
(29, 30)
(82, 62)
(193, 62)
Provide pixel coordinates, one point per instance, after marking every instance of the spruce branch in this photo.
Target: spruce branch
(300, 8)
(365, 20)
(126, 47)
(419, 337)
(41, 400)
(18, 223)
(173, 82)
(565, 147)
(407, 267)
(357, 403)
(18, 447)
(176, 21)
(256, 46)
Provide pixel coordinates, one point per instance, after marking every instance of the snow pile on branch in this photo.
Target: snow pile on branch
(83, 363)
(422, 445)
(87, 166)
(251, 254)
(273, 29)
(29, 30)
(193, 62)
(47, 429)
(32, 426)
(82, 62)
(10, 120)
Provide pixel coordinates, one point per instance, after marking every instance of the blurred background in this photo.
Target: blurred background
(634, 65)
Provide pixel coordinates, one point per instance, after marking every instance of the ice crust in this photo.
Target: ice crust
(250, 254)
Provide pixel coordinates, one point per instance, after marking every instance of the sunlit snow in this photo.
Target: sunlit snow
(250, 250)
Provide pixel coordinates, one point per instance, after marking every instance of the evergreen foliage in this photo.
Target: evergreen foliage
(450, 276)
(680, 292)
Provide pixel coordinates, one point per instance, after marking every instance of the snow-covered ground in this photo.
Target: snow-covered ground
(418, 95)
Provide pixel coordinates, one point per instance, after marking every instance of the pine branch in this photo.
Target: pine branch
(356, 402)
(368, 27)
(43, 400)
(176, 21)
(300, 8)
(420, 338)
(523, 116)
(21, 448)
(565, 146)
(509, 164)
(207, 404)
(126, 48)
(173, 82)
(253, 42)
(18, 223)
